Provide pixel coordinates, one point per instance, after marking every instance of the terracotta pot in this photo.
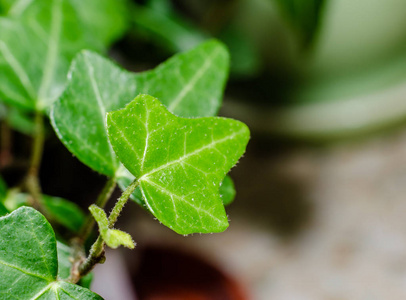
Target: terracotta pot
(169, 274)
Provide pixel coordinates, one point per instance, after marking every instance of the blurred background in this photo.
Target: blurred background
(320, 205)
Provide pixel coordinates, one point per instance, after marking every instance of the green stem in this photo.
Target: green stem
(32, 179)
(101, 201)
(96, 254)
(121, 202)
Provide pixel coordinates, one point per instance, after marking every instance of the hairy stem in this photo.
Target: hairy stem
(32, 180)
(121, 202)
(101, 201)
(96, 254)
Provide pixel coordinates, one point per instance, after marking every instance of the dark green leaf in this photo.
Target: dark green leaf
(227, 190)
(179, 162)
(64, 212)
(3, 210)
(189, 84)
(58, 210)
(28, 260)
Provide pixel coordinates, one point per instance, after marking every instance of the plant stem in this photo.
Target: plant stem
(32, 180)
(96, 254)
(101, 201)
(121, 202)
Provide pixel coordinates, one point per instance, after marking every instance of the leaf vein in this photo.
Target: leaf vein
(195, 152)
(18, 69)
(188, 87)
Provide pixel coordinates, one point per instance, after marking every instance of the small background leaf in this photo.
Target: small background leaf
(26, 275)
(227, 190)
(64, 212)
(3, 210)
(58, 210)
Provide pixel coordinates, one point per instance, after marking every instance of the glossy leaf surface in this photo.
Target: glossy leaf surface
(179, 162)
(189, 84)
(227, 190)
(38, 40)
(28, 260)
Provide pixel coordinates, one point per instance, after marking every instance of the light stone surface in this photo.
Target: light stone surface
(350, 245)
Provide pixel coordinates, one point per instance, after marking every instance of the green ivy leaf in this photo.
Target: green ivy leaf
(189, 84)
(64, 212)
(227, 190)
(28, 260)
(106, 19)
(113, 237)
(38, 41)
(179, 162)
(64, 260)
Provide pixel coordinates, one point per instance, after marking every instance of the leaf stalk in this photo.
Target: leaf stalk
(96, 254)
(32, 182)
(101, 202)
